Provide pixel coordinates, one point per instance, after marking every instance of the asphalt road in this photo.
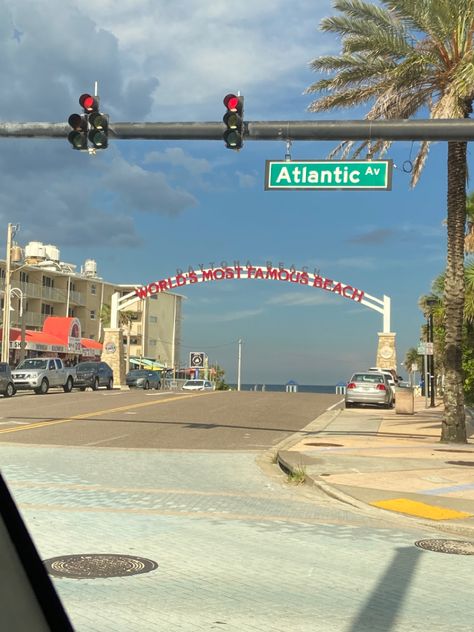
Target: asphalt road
(159, 420)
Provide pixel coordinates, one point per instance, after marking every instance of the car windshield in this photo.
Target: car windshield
(137, 373)
(370, 378)
(33, 363)
(85, 366)
(194, 383)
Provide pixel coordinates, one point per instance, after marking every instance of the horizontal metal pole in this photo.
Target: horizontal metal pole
(431, 129)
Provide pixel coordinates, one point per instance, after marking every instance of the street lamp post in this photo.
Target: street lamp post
(430, 303)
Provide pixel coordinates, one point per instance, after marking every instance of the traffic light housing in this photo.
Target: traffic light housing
(89, 130)
(98, 130)
(234, 122)
(78, 136)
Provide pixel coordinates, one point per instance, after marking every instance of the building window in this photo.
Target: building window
(48, 281)
(2, 273)
(46, 309)
(153, 319)
(93, 288)
(92, 314)
(24, 277)
(71, 312)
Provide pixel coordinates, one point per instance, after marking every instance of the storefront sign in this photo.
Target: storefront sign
(110, 347)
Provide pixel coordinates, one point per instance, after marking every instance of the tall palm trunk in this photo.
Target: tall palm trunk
(453, 426)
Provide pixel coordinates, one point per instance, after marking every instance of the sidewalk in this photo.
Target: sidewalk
(378, 458)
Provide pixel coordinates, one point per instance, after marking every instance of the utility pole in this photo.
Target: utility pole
(6, 297)
(239, 364)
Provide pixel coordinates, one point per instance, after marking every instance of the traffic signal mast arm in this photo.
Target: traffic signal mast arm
(397, 130)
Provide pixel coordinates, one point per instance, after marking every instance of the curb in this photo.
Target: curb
(336, 494)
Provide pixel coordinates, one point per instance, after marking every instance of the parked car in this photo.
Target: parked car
(93, 375)
(7, 388)
(143, 378)
(198, 385)
(38, 374)
(392, 378)
(369, 387)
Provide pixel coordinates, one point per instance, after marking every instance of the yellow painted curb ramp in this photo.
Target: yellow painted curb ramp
(421, 510)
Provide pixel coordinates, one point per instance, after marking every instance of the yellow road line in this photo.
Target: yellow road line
(421, 510)
(41, 424)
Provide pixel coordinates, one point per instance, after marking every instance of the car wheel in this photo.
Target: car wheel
(67, 388)
(43, 387)
(146, 386)
(110, 384)
(9, 391)
(95, 384)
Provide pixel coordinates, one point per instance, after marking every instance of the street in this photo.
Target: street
(236, 546)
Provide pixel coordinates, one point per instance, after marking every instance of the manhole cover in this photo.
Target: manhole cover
(98, 565)
(455, 547)
(326, 445)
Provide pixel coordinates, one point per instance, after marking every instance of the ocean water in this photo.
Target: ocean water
(281, 388)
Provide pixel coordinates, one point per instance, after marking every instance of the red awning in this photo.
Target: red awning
(88, 343)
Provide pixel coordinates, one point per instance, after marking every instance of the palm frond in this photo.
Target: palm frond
(419, 162)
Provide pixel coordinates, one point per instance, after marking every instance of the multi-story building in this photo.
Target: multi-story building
(50, 287)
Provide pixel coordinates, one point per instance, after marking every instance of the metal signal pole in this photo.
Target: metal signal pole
(394, 129)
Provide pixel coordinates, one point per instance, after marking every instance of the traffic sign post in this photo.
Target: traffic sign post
(196, 359)
(328, 174)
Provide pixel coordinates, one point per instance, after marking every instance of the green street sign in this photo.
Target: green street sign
(328, 174)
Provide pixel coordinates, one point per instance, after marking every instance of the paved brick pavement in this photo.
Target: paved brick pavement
(237, 549)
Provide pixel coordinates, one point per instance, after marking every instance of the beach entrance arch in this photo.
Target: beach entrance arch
(386, 354)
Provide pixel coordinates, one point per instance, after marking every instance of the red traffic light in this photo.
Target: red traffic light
(88, 102)
(232, 102)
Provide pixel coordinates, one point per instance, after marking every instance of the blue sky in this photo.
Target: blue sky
(144, 209)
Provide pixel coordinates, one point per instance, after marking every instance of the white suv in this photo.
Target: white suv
(389, 374)
(198, 385)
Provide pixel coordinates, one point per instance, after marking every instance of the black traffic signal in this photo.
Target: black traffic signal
(78, 136)
(90, 130)
(233, 119)
(98, 130)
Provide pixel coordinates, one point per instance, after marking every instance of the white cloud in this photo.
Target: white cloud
(176, 157)
(247, 180)
(135, 188)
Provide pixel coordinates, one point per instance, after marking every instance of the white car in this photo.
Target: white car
(198, 385)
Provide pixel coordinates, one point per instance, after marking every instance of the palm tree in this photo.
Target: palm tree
(413, 358)
(403, 57)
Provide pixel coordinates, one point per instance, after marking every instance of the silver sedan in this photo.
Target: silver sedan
(369, 388)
